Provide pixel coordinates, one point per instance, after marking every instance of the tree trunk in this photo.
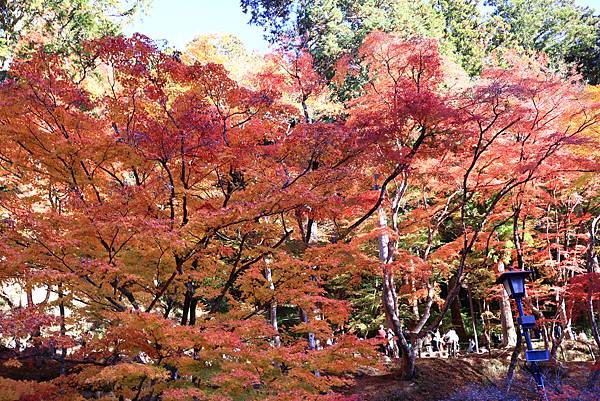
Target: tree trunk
(168, 306)
(390, 307)
(566, 318)
(273, 320)
(592, 317)
(509, 334)
(457, 321)
(540, 316)
(311, 237)
(409, 359)
(592, 267)
(187, 300)
(473, 321)
(312, 344)
(272, 306)
(29, 296)
(556, 344)
(193, 305)
(415, 302)
(63, 328)
(513, 361)
(486, 327)
(390, 301)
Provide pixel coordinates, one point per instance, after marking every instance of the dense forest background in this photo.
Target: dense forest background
(210, 223)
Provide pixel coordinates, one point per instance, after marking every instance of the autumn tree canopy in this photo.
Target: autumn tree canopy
(196, 235)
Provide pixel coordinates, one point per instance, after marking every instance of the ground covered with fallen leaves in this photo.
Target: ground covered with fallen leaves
(476, 378)
(471, 377)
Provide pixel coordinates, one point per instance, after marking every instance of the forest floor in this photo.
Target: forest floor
(477, 377)
(470, 377)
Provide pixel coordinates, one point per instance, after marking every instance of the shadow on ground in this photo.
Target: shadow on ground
(475, 378)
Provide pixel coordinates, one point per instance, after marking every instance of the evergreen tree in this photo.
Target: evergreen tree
(464, 31)
(331, 28)
(566, 32)
(64, 24)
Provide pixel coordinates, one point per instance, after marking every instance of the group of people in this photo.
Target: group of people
(433, 343)
(390, 346)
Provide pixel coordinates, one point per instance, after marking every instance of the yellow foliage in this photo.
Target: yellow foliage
(12, 363)
(13, 390)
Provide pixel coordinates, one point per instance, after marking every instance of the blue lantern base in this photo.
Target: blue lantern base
(541, 355)
(528, 322)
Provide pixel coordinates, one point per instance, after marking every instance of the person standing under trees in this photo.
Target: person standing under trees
(382, 335)
(451, 340)
(495, 340)
(558, 331)
(471, 348)
(392, 347)
(437, 342)
(427, 341)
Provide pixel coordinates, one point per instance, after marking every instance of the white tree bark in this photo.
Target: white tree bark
(509, 334)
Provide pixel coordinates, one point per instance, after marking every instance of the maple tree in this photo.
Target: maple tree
(471, 148)
(169, 190)
(189, 229)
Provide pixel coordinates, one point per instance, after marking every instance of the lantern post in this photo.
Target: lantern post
(514, 285)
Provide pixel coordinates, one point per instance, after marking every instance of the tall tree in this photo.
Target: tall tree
(561, 29)
(63, 25)
(465, 31)
(519, 113)
(568, 33)
(331, 28)
(153, 207)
